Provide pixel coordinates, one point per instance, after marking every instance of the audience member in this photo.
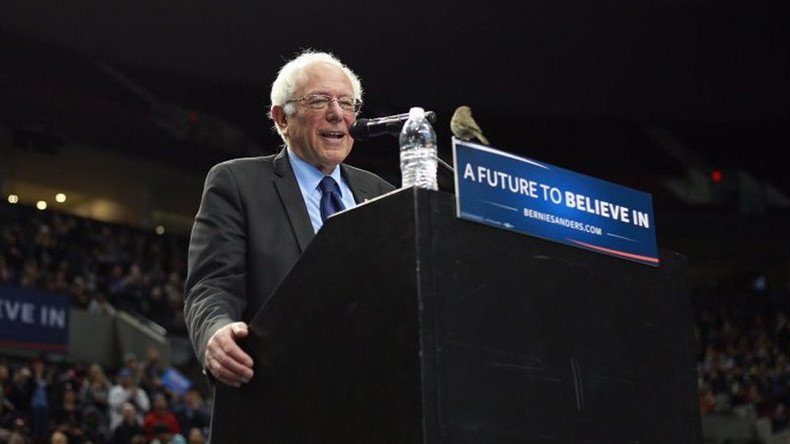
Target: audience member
(95, 391)
(40, 399)
(160, 414)
(192, 412)
(152, 371)
(163, 434)
(196, 436)
(59, 437)
(67, 416)
(17, 437)
(20, 390)
(130, 429)
(94, 395)
(126, 391)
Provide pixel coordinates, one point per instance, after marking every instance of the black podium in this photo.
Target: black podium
(402, 324)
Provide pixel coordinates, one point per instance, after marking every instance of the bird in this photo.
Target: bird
(464, 127)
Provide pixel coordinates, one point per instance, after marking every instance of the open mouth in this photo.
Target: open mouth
(333, 134)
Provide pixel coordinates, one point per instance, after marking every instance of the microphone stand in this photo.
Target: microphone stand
(445, 164)
(394, 130)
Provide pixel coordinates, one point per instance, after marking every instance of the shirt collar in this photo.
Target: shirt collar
(308, 175)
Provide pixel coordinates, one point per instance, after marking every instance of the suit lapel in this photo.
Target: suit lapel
(360, 188)
(292, 200)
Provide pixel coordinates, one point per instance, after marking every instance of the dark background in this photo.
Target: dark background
(569, 82)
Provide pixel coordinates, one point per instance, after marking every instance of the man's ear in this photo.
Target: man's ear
(279, 117)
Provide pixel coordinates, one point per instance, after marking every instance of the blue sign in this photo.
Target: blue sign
(34, 320)
(176, 381)
(523, 195)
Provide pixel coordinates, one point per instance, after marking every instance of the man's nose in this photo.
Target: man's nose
(334, 111)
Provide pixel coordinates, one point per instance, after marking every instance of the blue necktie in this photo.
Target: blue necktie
(330, 197)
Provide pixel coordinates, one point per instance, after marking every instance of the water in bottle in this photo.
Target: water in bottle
(418, 151)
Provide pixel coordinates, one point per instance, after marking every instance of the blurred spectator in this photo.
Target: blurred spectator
(707, 401)
(153, 371)
(779, 418)
(196, 436)
(115, 281)
(40, 399)
(131, 362)
(192, 413)
(94, 395)
(100, 304)
(71, 376)
(20, 390)
(78, 291)
(59, 283)
(5, 272)
(762, 406)
(174, 288)
(130, 428)
(5, 379)
(17, 437)
(95, 429)
(58, 437)
(134, 290)
(67, 416)
(8, 418)
(126, 391)
(160, 414)
(163, 434)
(158, 309)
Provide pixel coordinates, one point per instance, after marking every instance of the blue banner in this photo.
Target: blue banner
(523, 195)
(34, 320)
(176, 381)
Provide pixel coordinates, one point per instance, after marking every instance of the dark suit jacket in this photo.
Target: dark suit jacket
(251, 227)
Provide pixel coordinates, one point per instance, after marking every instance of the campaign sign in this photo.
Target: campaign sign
(176, 381)
(526, 196)
(34, 320)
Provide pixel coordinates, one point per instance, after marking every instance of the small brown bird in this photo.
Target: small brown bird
(464, 127)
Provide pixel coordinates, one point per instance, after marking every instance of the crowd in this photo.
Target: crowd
(43, 402)
(743, 366)
(101, 266)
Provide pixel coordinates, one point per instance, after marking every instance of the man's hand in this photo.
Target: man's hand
(226, 361)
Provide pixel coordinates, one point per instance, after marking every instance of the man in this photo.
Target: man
(160, 413)
(130, 428)
(126, 391)
(258, 214)
(58, 437)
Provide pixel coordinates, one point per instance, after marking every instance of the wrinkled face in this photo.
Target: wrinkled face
(320, 136)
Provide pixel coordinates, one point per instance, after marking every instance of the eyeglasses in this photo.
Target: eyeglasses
(321, 101)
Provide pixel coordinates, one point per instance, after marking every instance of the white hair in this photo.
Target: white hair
(293, 73)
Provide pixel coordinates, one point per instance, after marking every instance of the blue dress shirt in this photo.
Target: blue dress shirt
(308, 178)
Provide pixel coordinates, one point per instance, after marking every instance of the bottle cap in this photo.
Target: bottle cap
(416, 112)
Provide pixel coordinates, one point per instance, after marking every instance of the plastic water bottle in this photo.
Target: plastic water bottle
(418, 152)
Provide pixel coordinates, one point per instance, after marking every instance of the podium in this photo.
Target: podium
(401, 323)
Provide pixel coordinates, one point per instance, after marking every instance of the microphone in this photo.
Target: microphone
(364, 129)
